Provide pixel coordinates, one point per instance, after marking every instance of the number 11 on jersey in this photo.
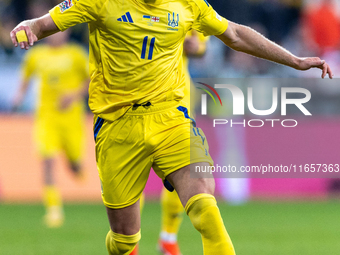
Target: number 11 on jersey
(152, 45)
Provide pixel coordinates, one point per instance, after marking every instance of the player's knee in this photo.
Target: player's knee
(118, 244)
(201, 209)
(208, 185)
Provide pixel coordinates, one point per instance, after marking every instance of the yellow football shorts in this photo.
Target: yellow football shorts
(56, 133)
(160, 136)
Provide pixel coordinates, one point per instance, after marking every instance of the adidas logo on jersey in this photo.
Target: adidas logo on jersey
(126, 18)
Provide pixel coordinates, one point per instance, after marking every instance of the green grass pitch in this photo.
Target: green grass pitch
(256, 228)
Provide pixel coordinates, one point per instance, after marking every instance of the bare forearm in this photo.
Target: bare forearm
(245, 39)
(251, 42)
(38, 27)
(41, 27)
(35, 29)
(21, 93)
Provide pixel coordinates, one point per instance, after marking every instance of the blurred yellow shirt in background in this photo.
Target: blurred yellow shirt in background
(61, 71)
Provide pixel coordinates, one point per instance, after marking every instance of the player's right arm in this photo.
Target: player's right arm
(67, 14)
(35, 29)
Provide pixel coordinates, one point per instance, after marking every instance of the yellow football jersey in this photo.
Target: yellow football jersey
(60, 70)
(136, 47)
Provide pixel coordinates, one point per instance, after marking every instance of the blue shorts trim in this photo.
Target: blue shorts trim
(97, 127)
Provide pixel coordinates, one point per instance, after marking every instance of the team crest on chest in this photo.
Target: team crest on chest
(67, 4)
(173, 21)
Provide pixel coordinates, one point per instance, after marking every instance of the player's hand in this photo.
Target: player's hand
(66, 101)
(25, 39)
(16, 103)
(191, 44)
(308, 63)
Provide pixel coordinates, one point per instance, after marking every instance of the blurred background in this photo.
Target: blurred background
(263, 216)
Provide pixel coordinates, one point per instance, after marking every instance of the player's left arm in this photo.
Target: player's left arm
(81, 58)
(244, 39)
(20, 95)
(60, 18)
(78, 95)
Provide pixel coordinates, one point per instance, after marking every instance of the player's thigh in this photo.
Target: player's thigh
(46, 136)
(183, 147)
(179, 143)
(123, 162)
(189, 183)
(73, 139)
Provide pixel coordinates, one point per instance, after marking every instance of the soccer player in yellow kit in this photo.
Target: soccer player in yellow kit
(59, 119)
(172, 209)
(136, 91)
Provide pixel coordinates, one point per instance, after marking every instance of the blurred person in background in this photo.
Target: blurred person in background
(321, 23)
(6, 24)
(63, 76)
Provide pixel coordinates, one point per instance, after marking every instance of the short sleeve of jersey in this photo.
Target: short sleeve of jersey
(208, 21)
(72, 12)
